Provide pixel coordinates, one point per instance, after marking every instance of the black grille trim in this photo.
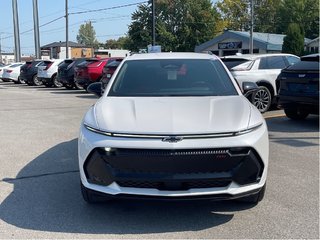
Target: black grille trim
(181, 169)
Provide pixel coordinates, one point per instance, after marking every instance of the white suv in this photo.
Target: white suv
(47, 72)
(262, 69)
(173, 125)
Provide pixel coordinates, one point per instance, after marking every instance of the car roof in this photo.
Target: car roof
(170, 55)
(311, 57)
(255, 56)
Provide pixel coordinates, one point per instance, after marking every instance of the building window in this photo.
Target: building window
(215, 52)
(246, 51)
(229, 52)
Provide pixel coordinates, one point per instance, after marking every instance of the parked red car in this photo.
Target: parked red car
(108, 71)
(90, 71)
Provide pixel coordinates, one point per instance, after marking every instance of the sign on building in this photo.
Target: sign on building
(230, 45)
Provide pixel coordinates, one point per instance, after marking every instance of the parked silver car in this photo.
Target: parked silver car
(262, 69)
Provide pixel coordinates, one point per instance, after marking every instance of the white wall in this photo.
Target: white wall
(62, 54)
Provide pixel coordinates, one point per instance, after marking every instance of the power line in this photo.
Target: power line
(109, 8)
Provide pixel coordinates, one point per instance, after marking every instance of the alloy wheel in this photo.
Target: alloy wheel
(262, 99)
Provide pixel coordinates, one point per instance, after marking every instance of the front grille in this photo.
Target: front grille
(186, 185)
(173, 169)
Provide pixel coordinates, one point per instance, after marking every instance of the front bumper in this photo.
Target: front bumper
(191, 177)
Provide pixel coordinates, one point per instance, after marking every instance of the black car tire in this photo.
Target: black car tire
(77, 86)
(56, 82)
(19, 81)
(295, 113)
(262, 99)
(255, 198)
(91, 197)
(36, 81)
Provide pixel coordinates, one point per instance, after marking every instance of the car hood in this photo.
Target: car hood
(172, 115)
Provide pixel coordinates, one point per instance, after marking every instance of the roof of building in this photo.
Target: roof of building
(268, 41)
(63, 44)
(313, 40)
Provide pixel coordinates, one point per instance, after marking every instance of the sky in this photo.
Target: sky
(108, 24)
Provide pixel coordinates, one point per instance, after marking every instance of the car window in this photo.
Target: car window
(273, 62)
(233, 63)
(292, 60)
(172, 77)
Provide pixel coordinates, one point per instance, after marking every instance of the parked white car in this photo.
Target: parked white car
(47, 72)
(173, 126)
(2, 67)
(12, 73)
(262, 69)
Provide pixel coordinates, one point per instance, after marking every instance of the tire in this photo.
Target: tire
(36, 81)
(262, 99)
(77, 86)
(19, 81)
(255, 198)
(56, 82)
(91, 197)
(295, 113)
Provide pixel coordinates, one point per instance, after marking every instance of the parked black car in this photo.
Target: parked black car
(66, 73)
(299, 88)
(28, 73)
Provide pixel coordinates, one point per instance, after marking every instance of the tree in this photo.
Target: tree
(87, 35)
(233, 14)
(305, 13)
(294, 41)
(180, 25)
(265, 15)
(120, 43)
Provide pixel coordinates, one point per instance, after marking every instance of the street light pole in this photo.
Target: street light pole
(0, 49)
(17, 52)
(36, 29)
(67, 31)
(153, 23)
(251, 28)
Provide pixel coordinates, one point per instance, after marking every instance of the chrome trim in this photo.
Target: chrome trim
(161, 137)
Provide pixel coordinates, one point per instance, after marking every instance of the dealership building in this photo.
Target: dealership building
(232, 42)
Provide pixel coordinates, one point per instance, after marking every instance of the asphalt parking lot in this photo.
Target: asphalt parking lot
(40, 193)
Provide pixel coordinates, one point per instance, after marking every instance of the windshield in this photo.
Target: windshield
(172, 77)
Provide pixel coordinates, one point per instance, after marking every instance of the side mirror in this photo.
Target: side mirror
(95, 88)
(249, 88)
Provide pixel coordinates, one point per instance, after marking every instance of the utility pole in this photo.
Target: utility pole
(0, 49)
(251, 28)
(17, 52)
(153, 23)
(36, 29)
(67, 31)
